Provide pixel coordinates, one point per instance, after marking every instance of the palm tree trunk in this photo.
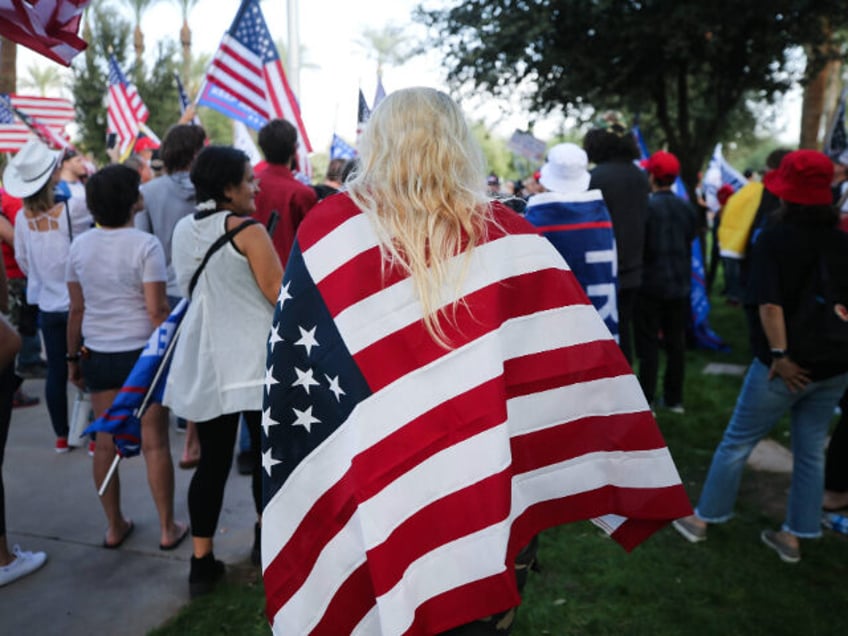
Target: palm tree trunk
(138, 44)
(818, 91)
(8, 66)
(185, 40)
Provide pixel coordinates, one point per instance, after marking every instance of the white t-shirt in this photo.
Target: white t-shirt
(112, 266)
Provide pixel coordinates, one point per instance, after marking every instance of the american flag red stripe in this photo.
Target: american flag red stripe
(390, 523)
(48, 27)
(239, 72)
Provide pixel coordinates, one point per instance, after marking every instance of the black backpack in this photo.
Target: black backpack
(817, 329)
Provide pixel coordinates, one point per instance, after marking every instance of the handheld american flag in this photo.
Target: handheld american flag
(44, 117)
(125, 112)
(362, 115)
(248, 67)
(401, 478)
(183, 97)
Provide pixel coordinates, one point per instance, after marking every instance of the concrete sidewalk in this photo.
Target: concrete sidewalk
(84, 589)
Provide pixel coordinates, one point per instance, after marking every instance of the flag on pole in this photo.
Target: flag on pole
(248, 67)
(125, 112)
(720, 172)
(144, 385)
(22, 116)
(184, 101)
(836, 141)
(340, 149)
(380, 94)
(363, 113)
(48, 27)
(395, 510)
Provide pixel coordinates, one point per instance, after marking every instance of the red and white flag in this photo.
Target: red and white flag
(48, 27)
(247, 66)
(402, 478)
(125, 111)
(22, 116)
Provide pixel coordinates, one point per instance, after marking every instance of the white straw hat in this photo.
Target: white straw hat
(30, 169)
(566, 169)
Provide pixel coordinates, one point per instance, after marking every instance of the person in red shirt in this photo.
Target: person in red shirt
(23, 315)
(278, 189)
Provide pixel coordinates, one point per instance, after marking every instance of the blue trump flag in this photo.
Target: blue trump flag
(214, 97)
(340, 149)
(579, 226)
(144, 385)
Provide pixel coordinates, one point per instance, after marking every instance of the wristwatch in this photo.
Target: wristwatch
(777, 354)
(73, 357)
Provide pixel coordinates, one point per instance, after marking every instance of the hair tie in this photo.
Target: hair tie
(205, 206)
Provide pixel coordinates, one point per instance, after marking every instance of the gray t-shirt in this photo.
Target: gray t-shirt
(167, 199)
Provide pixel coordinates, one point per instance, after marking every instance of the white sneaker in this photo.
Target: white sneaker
(24, 563)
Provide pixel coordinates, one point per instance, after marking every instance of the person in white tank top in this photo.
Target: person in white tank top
(218, 368)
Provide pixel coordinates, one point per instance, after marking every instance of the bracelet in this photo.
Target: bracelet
(777, 354)
(73, 357)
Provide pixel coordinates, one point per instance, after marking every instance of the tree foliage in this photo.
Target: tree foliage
(687, 63)
(107, 31)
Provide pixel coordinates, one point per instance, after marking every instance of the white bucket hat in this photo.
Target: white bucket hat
(566, 169)
(30, 169)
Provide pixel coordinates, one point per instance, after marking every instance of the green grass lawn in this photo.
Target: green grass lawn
(731, 584)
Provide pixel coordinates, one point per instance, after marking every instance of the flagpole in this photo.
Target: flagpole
(294, 46)
(139, 412)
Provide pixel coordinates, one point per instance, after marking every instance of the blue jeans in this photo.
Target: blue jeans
(54, 330)
(760, 405)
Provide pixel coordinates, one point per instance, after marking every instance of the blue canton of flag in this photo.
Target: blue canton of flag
(340, 149)
(315, 406)
(145, 384)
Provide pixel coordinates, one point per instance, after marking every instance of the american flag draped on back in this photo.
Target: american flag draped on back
(401, 479)
(125, 112)
(22, 116)
(48, 27)
(248, 67)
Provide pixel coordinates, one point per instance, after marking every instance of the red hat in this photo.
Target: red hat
(724, 193)
(803, 177)
(663, 165)
(144, 143)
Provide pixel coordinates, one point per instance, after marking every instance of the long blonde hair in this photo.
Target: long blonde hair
(421, 181)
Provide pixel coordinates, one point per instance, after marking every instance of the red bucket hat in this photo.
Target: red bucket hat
(803, 177)
(663, 165)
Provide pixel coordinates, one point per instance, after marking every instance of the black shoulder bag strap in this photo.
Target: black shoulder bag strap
(218, 244)
(70, 227)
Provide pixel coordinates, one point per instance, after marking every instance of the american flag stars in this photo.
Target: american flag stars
(307, 340)
(305, 379)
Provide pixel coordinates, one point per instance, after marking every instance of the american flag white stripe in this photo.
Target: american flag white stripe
(120, 118)
(382, 314)
(283, 99)
(239, 71)
(53, 112)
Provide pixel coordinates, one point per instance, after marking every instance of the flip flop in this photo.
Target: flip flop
(115, 546)
(175, 544)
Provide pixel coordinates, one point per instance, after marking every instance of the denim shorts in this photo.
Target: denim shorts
(107, 371)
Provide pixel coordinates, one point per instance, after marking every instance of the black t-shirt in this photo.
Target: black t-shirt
(785, 256)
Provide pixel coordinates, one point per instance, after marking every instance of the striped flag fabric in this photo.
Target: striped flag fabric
(23, 116)
(248, 67)
(48, 27)
(125, 111)
(401, 478)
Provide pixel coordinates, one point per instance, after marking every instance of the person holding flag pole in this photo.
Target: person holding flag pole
(116, 282)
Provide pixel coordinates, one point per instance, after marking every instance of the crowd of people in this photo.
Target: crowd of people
(100, 259)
